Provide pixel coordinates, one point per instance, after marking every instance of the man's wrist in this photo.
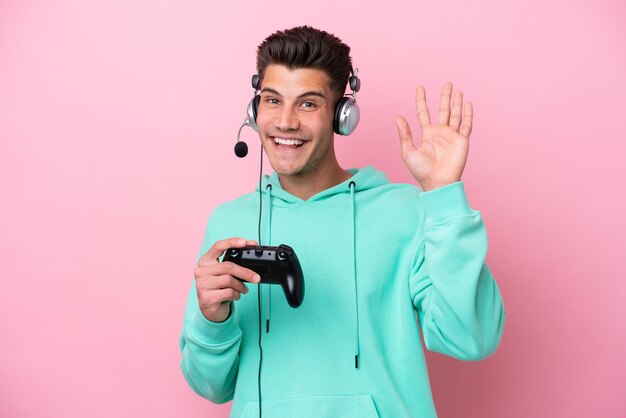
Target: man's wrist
(428, 186)
(218, 317)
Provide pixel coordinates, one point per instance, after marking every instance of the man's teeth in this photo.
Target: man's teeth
(282, 141)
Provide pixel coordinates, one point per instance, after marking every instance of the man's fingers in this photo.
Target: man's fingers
(227, 268)
(230, 282)
(468, 114)
(224, 281)
(422, 109)
(444, 104)
(219, 296)
(404, 132)
(212, 255)
(457, 106)
(242, 273)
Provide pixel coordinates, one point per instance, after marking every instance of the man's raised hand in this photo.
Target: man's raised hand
(440, 158)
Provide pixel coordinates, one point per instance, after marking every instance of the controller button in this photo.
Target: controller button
(284, 252)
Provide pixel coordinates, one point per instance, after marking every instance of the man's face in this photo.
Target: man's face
(295, 119)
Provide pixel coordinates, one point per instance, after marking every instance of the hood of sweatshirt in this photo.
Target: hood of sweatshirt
(273, 195)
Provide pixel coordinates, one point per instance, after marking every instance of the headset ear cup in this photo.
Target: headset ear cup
(347, 115)
(253, 110)
(255, 106)
(337, 119)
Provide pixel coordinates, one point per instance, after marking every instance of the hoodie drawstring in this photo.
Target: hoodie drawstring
(352, 186)
(268, 288)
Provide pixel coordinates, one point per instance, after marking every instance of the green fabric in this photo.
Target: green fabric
(416, 253)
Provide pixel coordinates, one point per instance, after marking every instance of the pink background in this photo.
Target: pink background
(117, 123)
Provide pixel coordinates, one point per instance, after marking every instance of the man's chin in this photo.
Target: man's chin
(284, 168)
(286, 172)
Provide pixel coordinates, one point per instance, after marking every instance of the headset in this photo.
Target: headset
(345, 121)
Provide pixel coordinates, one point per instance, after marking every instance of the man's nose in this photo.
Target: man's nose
(287, 119)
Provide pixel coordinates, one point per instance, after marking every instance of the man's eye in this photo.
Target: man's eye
(309, 105)
(272, 101)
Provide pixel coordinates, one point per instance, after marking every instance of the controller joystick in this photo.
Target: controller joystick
(275, 265)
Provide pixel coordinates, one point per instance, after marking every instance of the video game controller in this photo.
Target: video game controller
(275, 265)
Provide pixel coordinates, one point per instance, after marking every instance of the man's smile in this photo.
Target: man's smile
(287, 143)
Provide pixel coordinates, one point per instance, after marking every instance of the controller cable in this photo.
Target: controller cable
(259, 288)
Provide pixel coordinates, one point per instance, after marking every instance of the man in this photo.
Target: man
(374, 254)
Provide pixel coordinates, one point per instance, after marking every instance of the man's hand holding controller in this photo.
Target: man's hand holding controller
(217, 284)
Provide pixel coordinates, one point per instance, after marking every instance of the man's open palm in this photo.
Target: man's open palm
(440, 158)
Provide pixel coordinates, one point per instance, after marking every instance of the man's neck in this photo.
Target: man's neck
(305, 185)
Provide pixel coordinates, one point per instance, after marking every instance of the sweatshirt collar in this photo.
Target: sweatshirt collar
(364, 178)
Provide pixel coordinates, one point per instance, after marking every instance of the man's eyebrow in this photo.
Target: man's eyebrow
(305, 94)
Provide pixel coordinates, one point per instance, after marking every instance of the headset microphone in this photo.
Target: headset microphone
(241, 148)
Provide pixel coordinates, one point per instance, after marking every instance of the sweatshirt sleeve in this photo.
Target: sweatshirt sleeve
(458, 304)
(210, 350)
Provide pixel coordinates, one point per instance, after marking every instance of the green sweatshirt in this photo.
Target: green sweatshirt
(378, 259)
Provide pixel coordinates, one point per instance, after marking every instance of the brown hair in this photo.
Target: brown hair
(307, 47)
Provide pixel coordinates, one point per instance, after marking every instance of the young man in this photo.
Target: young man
(375, 256)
